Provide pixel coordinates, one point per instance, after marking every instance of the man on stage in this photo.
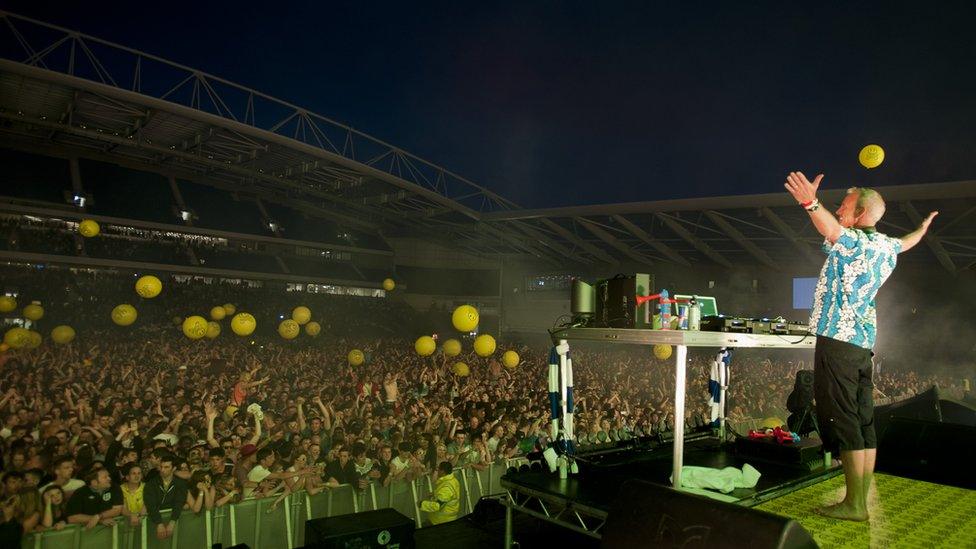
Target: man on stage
(859, 260)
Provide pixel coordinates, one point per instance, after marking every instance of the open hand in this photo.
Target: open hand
(800, 187)
(928, 220)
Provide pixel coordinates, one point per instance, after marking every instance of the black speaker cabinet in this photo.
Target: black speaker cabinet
(930, 405)
(807, 451)
(930, 451)
(650, 515)
(616, 302)
(381, 528)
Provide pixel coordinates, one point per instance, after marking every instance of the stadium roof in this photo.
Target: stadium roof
(63, 93)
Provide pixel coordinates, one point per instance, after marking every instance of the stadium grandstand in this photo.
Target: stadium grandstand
(229, 196)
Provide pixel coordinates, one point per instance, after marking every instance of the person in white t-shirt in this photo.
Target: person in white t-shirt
(366, 468)
(497, 434)
(262, 471)
(405, 466)
(64, 469)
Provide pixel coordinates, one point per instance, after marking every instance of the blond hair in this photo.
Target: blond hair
(870, 202)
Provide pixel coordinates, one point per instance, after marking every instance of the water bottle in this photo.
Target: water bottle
(694, 315)
(664, 307)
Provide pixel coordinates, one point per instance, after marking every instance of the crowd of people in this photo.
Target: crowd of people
(124, 422)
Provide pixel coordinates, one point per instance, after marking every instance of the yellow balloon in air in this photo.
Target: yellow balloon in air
(148, 286)
(355, 357)
(425, 345)
(289, 329)
(17, 337)
(218, 313)
(871, 156)
(229, 309)
(461, 369)
(451, 347)
(89, 228)
(213, 329)
(510, 359)
(484, 345)
(7, 304)
(662, 352)
(243, 324)
(389, 284)
(465, 318)
(62, 334)
(34, 311)
(301, 315)
(195, 327)
(313, 329)
(124, 314)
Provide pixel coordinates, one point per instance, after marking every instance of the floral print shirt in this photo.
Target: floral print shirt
(856, 267)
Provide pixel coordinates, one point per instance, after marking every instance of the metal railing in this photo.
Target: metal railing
(39, 44)
(263, 525)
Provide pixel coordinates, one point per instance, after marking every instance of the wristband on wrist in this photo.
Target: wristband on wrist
(812, 206)
(806, 204)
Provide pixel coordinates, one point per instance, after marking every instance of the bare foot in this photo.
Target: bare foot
(844, 511)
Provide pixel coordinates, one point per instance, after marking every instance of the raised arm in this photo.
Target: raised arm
(326, 418)
(257, 383)
(430, 420)
(805, 193)
(301, 414)
(67, 398)
(355, 406)
(257, 431)
(211, 414)
(911, 239)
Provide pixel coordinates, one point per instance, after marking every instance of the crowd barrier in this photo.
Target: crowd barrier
(263, 525)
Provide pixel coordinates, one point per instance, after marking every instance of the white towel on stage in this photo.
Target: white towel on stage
(723, 480)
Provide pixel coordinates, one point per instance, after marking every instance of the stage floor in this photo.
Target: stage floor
(600, 477)
(904, 513)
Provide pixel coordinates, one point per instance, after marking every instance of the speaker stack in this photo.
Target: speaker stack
(383, 528)
(928, 437)
(650, 515)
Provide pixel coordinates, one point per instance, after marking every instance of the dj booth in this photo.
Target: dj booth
(682, 339)
(581, 500)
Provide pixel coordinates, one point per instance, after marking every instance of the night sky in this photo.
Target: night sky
(555, 103)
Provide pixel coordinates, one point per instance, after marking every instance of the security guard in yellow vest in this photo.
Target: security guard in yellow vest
(445, 503)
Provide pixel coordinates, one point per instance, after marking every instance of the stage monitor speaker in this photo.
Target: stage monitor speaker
(930, 451)
(650, 515)
(488, 510)
(381, 528)
(930, 406)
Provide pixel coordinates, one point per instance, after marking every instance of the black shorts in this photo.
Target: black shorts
(844, 393)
